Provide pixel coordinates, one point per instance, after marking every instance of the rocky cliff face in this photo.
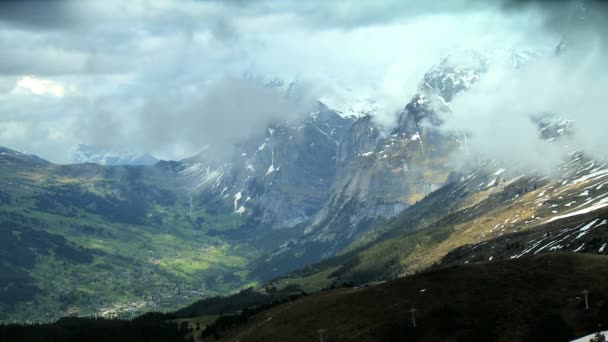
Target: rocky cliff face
(380, 174)
(279, 179)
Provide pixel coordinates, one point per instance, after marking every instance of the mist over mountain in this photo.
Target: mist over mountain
(217, 161)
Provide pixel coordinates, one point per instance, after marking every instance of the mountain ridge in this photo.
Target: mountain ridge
(93, 154)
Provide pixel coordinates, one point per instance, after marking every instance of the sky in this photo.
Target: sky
(171, 77)
(497, 112)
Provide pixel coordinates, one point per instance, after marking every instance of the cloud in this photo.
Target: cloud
(497, 112)
(230, 110)
(165, 76)
(174, 121)
(37, 14)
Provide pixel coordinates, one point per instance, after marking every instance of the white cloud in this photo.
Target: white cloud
(497, 112)
(40, 86)
(142, 73)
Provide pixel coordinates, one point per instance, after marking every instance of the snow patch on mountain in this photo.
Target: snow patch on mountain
(271, 169)
(351, 105)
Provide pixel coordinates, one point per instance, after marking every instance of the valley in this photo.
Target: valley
(93, 240)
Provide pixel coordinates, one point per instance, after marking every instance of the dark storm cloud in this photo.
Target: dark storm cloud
(38, 13)
(225, 31)
(565, 15)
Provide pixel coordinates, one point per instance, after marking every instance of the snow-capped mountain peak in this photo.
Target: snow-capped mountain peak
(93, 154)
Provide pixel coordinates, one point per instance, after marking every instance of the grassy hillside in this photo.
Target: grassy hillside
(474, 212)
(586, 233)
(529, 299)
(93, 240)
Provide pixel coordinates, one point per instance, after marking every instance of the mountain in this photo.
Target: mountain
(462, 212)
(278, 179)
(344, 101)
(175, 230)
(314, 202)
(11, 158)
(536, 298)
(489, 213)
(99, 155)
(379, 174)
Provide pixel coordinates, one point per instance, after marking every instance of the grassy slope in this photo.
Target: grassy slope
(142, 247)
(449, 219)
(560, 235)
(533, 298)
(377, 255)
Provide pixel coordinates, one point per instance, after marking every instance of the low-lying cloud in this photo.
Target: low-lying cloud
(166, 77)
(497, 113)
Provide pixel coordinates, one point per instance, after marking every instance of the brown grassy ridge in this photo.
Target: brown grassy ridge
(535, 298)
